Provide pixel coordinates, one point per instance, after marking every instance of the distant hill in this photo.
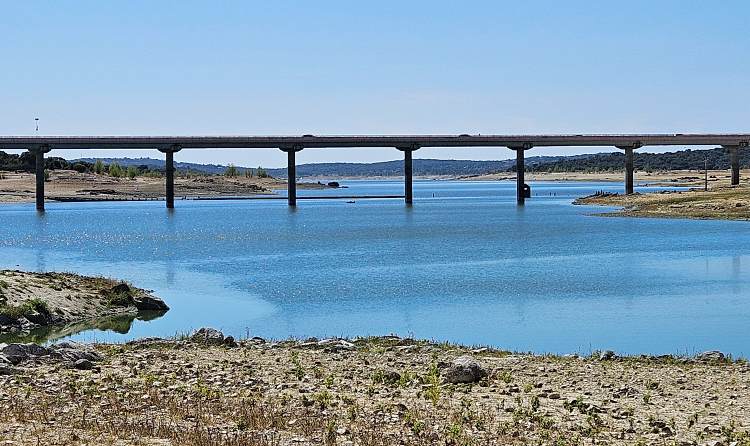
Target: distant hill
(680, 160)
(422, 167)
(599, 162)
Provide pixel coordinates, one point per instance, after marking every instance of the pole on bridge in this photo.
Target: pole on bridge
(169, 173)
(291, 174)
(38, 153)
(408, 173)
(520, 171)
(734, 162)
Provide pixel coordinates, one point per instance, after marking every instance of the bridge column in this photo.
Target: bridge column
(169, 173)
(408, 173)
(39, 152)
(629, 166)
(291, 173)
(734, 163)
(520, 171)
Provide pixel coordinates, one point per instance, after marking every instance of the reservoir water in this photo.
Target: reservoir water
(464, 264)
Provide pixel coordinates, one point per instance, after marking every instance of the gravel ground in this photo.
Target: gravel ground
(376, 391)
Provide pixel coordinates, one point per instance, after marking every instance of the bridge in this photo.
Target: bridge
(169, 145)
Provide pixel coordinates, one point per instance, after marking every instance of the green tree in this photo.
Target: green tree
(231, 171)
(115, 170)
(132, 172)
(99, 167)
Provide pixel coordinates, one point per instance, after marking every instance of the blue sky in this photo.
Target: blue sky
(381, 67)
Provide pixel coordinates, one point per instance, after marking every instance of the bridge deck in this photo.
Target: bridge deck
(256, 142)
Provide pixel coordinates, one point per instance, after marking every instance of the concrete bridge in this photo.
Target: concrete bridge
(169, 145)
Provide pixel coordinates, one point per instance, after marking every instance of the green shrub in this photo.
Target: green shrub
(132, 172)
(231, 171)
(115, 170)
(99, 167)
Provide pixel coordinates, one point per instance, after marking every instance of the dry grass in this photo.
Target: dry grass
(385, 392)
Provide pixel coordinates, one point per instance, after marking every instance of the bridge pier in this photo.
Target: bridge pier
(629, 166)
(169, 173)
(291, 174)
(629, 171)
(734, 163)
(39, 152)
(520, 173)
(408, 173)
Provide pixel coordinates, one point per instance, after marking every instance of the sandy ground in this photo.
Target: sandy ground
(724, 203)
(378, 391)
(63, 184)
(662, 178)
(33, 301)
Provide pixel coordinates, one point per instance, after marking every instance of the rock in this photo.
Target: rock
(17, 353)
(37, 318)
(464, 370)
(607, 355)
(212, 336)
(74, 352)
(147, 302)
(121, 288)
(8, 370)
(334, 344)
(7, 320)
(710, 356)
(83, 364)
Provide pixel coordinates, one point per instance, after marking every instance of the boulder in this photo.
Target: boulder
(17, 353)
(464, 369)
(710, 356)
(73, 352)
(83, 364)
(120, 288)
(607, 355)
(211, 336)
(147, 302)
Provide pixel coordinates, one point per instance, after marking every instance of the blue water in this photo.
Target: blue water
(466, 265)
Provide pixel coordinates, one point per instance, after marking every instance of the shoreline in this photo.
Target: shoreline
(376, 390)
(723, 203)
(51, 305)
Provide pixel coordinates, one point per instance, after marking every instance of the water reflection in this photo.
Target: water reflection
(116, 324)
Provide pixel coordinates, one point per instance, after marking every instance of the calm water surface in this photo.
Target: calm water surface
(464, 265)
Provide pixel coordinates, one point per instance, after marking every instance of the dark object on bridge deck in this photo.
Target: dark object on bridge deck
(526, 191)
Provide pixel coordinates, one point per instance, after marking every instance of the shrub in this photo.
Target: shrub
(231, 171)
(132, 172)
(115, 170)
(99, 167)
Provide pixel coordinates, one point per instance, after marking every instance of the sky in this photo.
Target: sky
(380, 67)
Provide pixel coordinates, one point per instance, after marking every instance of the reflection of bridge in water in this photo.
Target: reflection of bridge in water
(169, 145)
